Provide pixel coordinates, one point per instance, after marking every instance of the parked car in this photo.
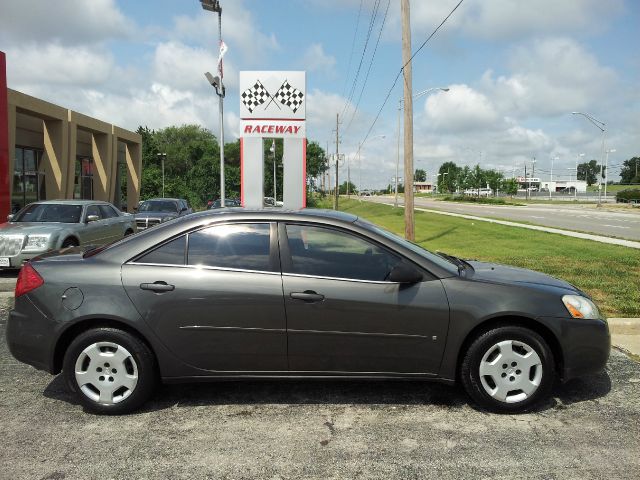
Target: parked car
(241, 294)
(53, 224)
(157, 210)
(228, 203)
(271, 202)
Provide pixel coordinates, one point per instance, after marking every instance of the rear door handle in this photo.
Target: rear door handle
(307, 296)
(157, 287)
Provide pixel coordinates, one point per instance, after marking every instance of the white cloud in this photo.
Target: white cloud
(65, 21)
(552, 76)
(316, 60)
(460, 109)
(55, 64)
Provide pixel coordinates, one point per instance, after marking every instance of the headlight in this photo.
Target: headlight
(37, 243)
(581, 307)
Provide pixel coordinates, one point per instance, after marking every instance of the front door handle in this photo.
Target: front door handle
(307, 296)
(157, 287)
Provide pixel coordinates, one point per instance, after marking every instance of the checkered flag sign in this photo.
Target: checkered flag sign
(289, 96)
(255, 96)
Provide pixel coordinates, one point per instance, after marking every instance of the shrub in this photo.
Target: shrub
(629, 195)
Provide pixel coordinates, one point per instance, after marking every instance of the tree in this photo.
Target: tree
(494, 179)
(420, 175)
(446, 183)
(589, 171)
(509, 186)
(630, 172)
(478, 177)
(352, 188)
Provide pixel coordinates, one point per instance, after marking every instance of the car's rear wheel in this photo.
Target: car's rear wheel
(110, 370)
(508, 369)
(69, 242)
(128, 232)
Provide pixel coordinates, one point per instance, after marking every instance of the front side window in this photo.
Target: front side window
(238, 246)
(94, 210)
(107, 211)
(325, 252)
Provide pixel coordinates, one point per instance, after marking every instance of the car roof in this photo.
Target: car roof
(73, 202)
(279, 213)
(161, 199)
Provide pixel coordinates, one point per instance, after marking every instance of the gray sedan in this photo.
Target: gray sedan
(53, 224)
(240, 294)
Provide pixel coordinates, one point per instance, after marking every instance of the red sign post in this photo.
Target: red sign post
(5, 200)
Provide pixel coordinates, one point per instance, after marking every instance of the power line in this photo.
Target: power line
(353, 47)
(395, 81)
(373, 56)
(374, 14)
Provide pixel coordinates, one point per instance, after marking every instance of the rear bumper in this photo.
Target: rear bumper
(30, 335)
(585, 345)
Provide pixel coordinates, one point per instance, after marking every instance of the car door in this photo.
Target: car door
(214, 297)
(343, 316)
(96, 232)
(113, 222)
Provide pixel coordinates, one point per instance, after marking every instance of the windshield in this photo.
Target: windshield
(158, 206)
(432, 257)
(49, 212)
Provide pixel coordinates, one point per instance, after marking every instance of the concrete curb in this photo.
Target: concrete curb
(624, 326)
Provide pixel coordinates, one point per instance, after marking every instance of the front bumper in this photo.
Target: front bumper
(18, 260)
(585, 345)
(31, 335)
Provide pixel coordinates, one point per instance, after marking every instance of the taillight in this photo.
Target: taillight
(28, 279)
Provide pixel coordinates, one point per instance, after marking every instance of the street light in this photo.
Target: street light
(606, 164)
(359, 164)
(601, 126)
(216, 82)
(551, 175)
(400, 102)
(162, 157)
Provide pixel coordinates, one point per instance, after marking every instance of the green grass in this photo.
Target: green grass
(609, 273)
(612, 188)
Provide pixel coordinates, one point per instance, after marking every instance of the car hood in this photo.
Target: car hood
(155, 214)
(493, 272)
(26, 228)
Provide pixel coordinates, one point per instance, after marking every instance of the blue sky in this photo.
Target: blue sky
(515, 69)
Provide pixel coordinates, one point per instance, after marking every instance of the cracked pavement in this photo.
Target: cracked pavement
(319, 429)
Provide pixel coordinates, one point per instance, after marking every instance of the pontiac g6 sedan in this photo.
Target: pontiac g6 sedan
(241, 294)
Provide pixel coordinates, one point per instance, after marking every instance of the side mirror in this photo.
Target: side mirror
(92, 218)
(9, 217)
(404, 274)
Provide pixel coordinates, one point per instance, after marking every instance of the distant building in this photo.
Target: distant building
(563, 186)
(50, 152)
(423, 187)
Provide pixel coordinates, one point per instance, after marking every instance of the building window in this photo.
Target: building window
(28, 178)
(84, 179)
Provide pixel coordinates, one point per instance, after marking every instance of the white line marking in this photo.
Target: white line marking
(615, 226)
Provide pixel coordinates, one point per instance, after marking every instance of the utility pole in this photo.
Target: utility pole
(527, 183)
(409, 226)
(337, 192)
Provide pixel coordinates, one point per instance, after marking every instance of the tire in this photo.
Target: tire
(111, 371)
(69, 242)
(508, 369)
(128, 232)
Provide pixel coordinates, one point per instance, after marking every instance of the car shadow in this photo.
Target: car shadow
(336, 392)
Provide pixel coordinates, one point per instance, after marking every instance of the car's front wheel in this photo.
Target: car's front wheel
(508, 369)
(110, 370)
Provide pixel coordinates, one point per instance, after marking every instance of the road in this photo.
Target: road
(583, 218)
(319, 430)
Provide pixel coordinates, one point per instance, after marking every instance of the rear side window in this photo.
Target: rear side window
(239, 246)
(171, 253)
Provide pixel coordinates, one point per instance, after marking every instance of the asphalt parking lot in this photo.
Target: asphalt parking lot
(323, 430)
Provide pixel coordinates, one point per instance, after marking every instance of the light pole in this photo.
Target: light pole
(162, 157)
(606, 164)
(275, 178)
(601, 126)
(400, 105)
(216, 82)
(360, 163)
(551, 175)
